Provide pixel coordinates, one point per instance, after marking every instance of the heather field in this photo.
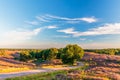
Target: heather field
(96, 67)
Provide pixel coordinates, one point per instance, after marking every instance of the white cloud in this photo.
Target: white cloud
(52, 27)
(102, 30)
(62, 36)
(74, 20)
(47, 18)
(68, 31)
(32, 22)
(89, 20)
(42, 18)
(21, 35)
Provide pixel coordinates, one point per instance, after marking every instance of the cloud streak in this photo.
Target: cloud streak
(62, 36)
(52, 27)
(21, 35)
(42, 18)
(32, 22)
(86, 19)
(49, 18)
(68, 31)
(102, 30)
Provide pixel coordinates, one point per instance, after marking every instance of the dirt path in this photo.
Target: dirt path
(15, 74)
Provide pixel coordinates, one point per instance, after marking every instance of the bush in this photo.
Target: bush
(71, 54)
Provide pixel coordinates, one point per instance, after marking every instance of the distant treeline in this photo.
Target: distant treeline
(104, 51)
(17, 49)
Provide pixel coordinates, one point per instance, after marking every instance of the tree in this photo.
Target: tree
(25, 56)
(112, 52)
(52, 53)
(47, 54)
(59, 54)
(72, 53)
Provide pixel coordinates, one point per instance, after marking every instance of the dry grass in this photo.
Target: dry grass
(6, 70)
(53, 66)
(8, 64)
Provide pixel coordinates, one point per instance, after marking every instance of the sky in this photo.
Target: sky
(56, 23)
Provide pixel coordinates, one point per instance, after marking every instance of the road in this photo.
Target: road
(22, 73)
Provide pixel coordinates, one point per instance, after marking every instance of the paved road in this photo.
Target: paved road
(22, 73)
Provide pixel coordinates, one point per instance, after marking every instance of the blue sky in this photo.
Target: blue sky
(55, 23)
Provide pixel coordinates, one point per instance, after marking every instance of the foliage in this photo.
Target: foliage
(69, 54)
(2, 52)
(25, 55)
(105, 51)
(72, 53)
(46, 54)
(59, 54)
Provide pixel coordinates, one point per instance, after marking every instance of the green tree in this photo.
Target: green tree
(112, 52)
(59, 54)
(52, 53)
(72, 53)
(25, 56)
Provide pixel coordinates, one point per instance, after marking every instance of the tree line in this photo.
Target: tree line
(105, 51)
(69, 55)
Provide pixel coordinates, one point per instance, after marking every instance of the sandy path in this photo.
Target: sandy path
(22, 73)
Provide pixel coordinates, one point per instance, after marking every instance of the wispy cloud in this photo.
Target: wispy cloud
(62, 36)
(42, 18)
(48, 18)
(102, 30)
(73, 20)
(52, 27)
(32, 22)
(21, 35)
(68, 31)
(89, 20)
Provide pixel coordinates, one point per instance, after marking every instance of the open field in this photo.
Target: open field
(40, 70)
(98, 67)
(9, 64)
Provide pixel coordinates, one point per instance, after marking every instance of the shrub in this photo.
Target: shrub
(72, 53)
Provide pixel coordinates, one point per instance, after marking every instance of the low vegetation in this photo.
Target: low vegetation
(100, 64)
(97, 67)
(105, 51)
(56, 75)
(69, 55)
(40, 76)
(7, 70)
(24, 59)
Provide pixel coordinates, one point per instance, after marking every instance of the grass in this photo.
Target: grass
(53, 66)
(51, 75)
(7, 70)
(40, 76)
(45, 75)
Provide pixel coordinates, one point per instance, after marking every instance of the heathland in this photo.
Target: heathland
(71, 62)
